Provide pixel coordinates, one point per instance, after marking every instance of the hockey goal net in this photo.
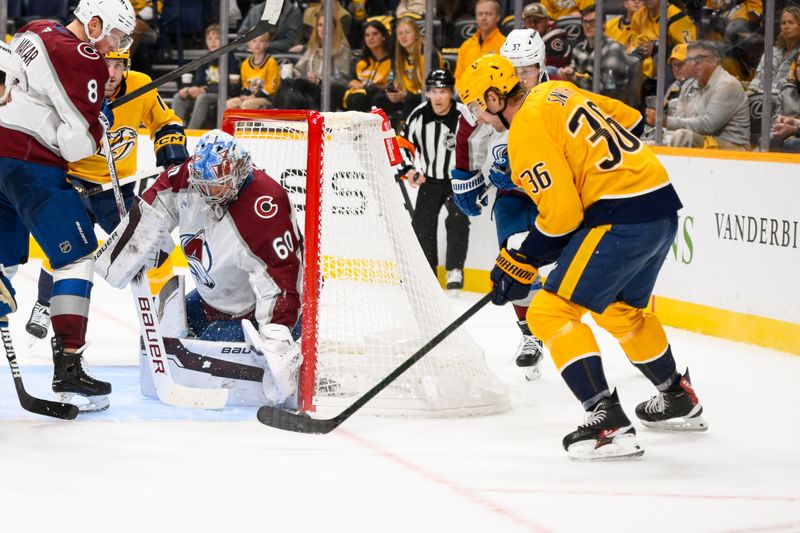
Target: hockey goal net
(369, 297)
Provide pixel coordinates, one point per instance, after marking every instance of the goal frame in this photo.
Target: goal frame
(311, 269)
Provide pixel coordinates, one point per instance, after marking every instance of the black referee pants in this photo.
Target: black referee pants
(433, 194)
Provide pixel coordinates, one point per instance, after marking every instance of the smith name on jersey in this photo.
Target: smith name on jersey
(248, 263)
(573, 153)
(149, 109)
(55, 120)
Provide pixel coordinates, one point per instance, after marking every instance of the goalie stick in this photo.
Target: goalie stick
(269, 19)
(302, 423)
(167, 390)
(66, 411)
(93, 189)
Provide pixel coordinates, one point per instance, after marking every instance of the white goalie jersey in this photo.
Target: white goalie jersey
(250, 259)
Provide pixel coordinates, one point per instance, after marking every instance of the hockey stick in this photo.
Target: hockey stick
(96, 188)
(167, 390)
(406, 199)
(269, 19)
(302, 423)
(66, 411)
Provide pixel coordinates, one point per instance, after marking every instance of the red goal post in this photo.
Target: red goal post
(369, 297)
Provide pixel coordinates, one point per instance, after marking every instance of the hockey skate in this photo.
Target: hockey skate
(39, 321)
(70, 379)
(455, 279)
(530, 353)
(607, 434)
(674, 410)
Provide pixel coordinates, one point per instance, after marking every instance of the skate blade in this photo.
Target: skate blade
(532, 373)
(621, 447)
(85, 404)
(684, 423)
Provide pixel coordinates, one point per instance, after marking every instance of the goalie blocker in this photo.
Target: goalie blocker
(256, 372)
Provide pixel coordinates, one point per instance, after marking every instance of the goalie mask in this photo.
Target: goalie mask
(219, 168)
(115, 15)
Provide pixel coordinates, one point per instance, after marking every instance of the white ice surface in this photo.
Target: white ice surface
(143, 466)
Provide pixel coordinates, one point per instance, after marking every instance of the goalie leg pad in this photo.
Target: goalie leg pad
(136, 243)
(172, 308)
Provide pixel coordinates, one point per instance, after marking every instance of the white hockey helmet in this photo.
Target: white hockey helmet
(524, 48)
(115, 14)
(219, 168)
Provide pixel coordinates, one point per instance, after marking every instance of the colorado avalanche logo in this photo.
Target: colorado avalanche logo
(198, 255)
(500, 151)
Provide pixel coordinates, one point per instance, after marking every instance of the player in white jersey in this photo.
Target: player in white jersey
(482, 151)
(53, 119)
(239, 233)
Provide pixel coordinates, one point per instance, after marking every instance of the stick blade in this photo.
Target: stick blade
(64, 411)
(295, 422)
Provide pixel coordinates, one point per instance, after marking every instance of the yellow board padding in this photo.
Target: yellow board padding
(735, 155)
(581, 259)
(639, 333)
(731, 325)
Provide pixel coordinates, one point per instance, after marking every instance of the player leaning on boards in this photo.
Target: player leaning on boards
(482, 151)
(607, 217)
(170, 149)
(238, 231)
(52, 121)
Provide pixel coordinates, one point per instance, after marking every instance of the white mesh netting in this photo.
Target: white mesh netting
(378, 300)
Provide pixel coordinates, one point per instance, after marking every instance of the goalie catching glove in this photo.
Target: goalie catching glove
(138, 242)
(512, 276)
(282, 356)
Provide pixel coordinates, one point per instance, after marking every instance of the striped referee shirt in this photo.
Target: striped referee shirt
(434, 139)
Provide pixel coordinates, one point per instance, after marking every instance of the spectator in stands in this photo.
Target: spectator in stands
(712, 110)
(737, 17)
(260, 76)
(311, 16)
(405, 85)
(619, 28)
(559, 9)
(789, 98)
(614, 73)
(199, 99)
(143, 33)
(372, 70)
(787, 45)
(785, 134)
(645, 24)
(487, 39)
(310, 65)
(557, 50)
(289, 30)
(681, 71)
(431, 129)
(303, 90)
(416, 7)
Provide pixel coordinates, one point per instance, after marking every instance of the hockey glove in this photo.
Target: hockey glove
(106, 115)
(8, 304)
(170, 146)
(500, 174)
(512, 276)
(468, 188)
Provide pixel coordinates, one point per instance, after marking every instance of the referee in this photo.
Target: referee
(431, 129)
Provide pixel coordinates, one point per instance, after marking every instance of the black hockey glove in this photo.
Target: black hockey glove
(512, 276)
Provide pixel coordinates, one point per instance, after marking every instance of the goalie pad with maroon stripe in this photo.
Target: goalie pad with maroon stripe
(139, 241)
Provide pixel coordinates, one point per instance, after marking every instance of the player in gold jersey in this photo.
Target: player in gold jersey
(169, 138)
(607, 218)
